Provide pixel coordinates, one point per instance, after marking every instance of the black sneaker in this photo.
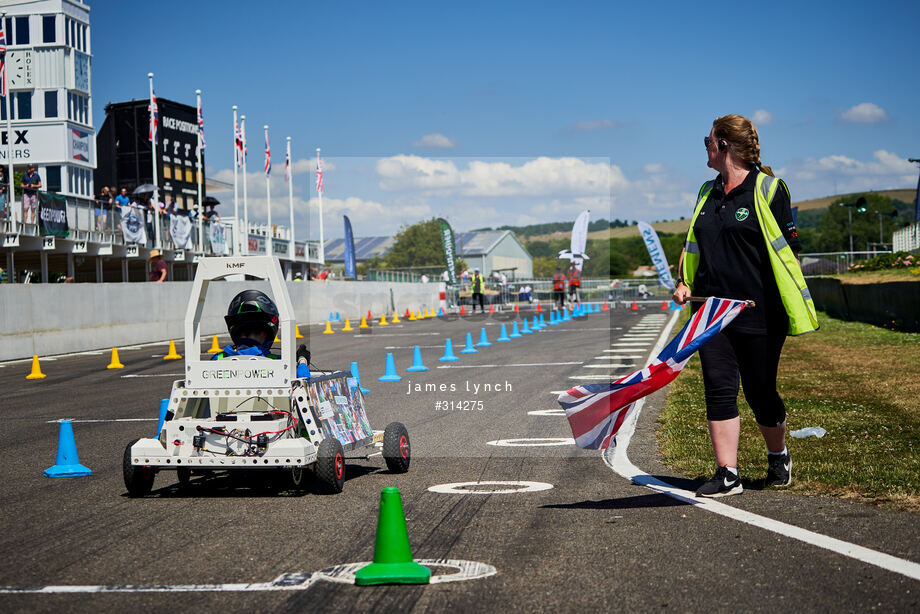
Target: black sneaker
(722, 484)
(779, 473)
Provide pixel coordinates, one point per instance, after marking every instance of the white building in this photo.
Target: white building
(49, 76)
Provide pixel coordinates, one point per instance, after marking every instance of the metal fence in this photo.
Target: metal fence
(832, 263)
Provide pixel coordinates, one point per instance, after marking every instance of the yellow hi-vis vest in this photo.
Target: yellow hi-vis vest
(789, 279)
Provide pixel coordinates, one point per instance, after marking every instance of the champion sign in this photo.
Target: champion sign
(79, 145)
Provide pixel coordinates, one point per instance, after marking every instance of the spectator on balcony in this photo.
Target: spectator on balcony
(167, 211)
(30, 183)
(4, 194)
(122, 200)
(103, 206)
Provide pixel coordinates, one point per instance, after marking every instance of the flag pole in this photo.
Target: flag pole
(322, 243)
(153, 164)
(236, 196)
(268, 193)
(245, 233)
(11, 193)
(289, 170)
(200, 202)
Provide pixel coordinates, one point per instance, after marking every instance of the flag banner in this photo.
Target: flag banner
(52, 215)
(653, 245)
(447, 242)
(154, 118)
(201, 125)
(237, 144)
(268, 155)
(133, 227)
(2, 57)
(319, 175)
(350, 270)
(218, 238)
(180, 229)
(596, 411)
(576, 252)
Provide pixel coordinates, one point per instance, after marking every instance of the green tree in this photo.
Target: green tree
(833, 232)
(417, 245)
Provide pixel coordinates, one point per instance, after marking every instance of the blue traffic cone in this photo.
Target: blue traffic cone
(67, 464)
(440, 311)
(469, 349)
(542, 321)
(514, 330)
(525, 330)
(338, 318)
(389, 374)
(483, 340)
(449, 355)
(565, 316)
(417, 361)
(354, 371)
(164, 406)
(535, 324)
(504, 335)
(331, 317)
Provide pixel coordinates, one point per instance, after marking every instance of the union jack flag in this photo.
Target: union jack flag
(268, 155)
(2, 58)
(154, 118)
(596, 411)
(241, 143)
(200, 125)
(287, 167)
(319, 175)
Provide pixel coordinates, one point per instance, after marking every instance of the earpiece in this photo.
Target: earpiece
(722, 145)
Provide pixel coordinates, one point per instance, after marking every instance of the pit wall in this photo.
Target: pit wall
(894, 305)
(50, 319)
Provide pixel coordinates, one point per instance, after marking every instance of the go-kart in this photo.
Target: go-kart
(252, 413)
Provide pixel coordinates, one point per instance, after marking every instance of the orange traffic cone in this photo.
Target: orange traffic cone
(407, 314)
(36, 370)
(369, 316)
(116, 364)
(491, 308)
(634, 307)
(539, 308)
(516, 309)
(606, 307)
(173, 354)
(664, 304)
(462, 310)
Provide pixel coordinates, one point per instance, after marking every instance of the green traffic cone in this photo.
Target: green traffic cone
(393, 562)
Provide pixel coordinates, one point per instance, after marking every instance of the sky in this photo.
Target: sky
(501, 112)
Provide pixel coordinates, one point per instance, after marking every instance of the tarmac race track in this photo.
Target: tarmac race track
(594, 541)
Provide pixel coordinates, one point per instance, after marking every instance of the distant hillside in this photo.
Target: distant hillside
(680, 226)
(548, 228)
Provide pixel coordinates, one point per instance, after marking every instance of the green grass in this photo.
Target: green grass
(860, 382)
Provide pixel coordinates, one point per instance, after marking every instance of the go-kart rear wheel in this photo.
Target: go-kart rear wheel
(330, 465)
(396, 447)
(184, 475)
(138, 480)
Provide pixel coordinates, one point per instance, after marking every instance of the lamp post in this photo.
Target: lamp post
(860, 206)
(917, 202)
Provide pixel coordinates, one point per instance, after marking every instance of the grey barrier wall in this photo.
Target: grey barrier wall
(49, 319)
(894, 305)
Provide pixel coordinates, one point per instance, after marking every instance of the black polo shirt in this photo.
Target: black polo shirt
(734, 262)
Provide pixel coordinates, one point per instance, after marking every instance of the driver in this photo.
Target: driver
(252, 320)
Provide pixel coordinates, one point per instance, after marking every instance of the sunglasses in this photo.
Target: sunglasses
(707, 141)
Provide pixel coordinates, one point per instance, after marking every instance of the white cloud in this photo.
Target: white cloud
(762, 117)
(864, 113)
(841, 174)
(595, 125)
(540, 176)
(435, 140)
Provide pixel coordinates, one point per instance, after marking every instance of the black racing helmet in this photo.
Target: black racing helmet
(252, 309)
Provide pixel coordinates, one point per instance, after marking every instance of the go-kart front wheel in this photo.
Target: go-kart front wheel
(330, 465)
(396, 447)
(138, 480)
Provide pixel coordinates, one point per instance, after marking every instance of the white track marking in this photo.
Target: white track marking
(154, 375)
(104, 420)
(619, 354)
(608, 357)
(532, 442)
(547, 412)
(634, 345)
(397, 335)
(612, 365)
(461, 488)
(619, 461)
(284, 582)
(528, 364)
(591, 377)
(410, 347)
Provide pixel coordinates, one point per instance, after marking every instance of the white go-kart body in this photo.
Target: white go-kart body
(253, 412)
